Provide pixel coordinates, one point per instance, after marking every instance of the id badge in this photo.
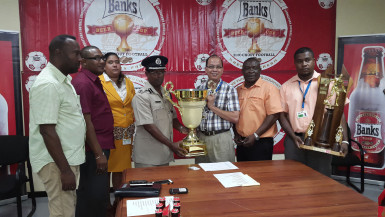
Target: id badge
(301, 114)
(127, 141)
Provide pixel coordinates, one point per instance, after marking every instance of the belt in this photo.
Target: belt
(212, 133)
(300, 134)
(124, 132)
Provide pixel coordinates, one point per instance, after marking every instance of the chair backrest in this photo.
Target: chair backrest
(13, 149)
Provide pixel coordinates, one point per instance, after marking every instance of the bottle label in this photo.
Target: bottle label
(368, 131)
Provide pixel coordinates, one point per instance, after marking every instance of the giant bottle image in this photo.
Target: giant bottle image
(367, 107)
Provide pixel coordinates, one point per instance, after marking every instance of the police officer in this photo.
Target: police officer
(154, 119)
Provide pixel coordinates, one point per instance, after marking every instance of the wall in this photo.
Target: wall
(9, 15)
(359, 17)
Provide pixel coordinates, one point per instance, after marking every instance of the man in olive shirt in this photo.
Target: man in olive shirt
(57, 127)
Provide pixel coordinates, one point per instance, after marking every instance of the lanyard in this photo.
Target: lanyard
(304, 94)
(219, 86)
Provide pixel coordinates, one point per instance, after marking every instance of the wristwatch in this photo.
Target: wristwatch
(256, 137)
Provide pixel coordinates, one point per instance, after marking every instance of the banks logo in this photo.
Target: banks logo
(368, 131)
(128, 7)
(255, 9)
(134, 29)
(263, 29)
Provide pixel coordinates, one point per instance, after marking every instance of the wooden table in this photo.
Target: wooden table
(288, 188)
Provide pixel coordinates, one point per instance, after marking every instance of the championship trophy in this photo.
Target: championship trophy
(325, 132)
(123, 25)
(190, 105)
(254, 27)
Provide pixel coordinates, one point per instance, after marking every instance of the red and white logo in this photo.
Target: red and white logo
(200, 61)
(324, 60)
(250, 28)
(36, 61)
(134, 29)
(326, 4)
(204, 2)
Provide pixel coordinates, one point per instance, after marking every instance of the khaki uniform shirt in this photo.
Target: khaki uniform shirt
(151, 108)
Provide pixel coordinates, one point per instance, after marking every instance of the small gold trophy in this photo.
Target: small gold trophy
(324, 134)
(123, 25)
(191, 104)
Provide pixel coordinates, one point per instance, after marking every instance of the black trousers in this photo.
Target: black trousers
(93, 191)
(260, 150)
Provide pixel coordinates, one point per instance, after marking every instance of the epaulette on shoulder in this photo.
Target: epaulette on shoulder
(149, 90)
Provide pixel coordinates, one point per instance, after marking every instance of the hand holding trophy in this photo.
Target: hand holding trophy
(190, 105)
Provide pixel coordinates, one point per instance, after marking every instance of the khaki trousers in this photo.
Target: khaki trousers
(60, 203)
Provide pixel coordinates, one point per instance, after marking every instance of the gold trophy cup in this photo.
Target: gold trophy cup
(190, 105)
(123, 25)
(254, 28)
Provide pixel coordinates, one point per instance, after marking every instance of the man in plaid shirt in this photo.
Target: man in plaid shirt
(220, 113)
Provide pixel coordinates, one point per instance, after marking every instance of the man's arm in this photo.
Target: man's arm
(267, 123)
(52, 142)
(92, 141)
(158, 135)
(178, 126)
(286, 126)
(232, 116)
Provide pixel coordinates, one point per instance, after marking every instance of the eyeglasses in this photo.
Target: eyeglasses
(214, 67)
(97, 58)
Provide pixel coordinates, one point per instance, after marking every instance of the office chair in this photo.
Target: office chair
(15, 150)
(352, 160)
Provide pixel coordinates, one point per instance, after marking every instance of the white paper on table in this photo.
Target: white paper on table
(145, 206)
(237, 179)
(218, 166)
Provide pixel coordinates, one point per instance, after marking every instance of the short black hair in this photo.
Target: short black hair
(214, 55)
(58, 43)
(252, 58)
(105, 57)
(85, 51)
(304, 50)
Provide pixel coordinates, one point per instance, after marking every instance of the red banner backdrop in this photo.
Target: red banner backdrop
(186, 32)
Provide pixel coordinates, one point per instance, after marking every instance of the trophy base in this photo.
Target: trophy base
(194, 149)
(323, 145)
(124, 49)
(327, 151)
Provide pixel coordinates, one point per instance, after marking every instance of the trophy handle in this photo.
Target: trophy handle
(167, 95)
